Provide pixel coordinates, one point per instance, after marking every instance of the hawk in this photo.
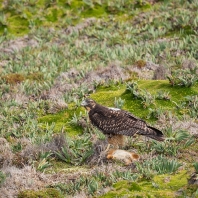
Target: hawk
(116, 123)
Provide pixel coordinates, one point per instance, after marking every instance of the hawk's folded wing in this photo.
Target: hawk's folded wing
(118, 122)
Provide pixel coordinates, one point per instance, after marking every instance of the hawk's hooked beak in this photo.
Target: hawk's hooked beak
(84, 103)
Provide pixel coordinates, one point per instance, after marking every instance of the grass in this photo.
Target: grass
(53, 53)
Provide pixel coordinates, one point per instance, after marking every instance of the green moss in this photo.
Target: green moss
(121, 184)
(161, 186)
(62, 119)
(172, 182)
(41, 3)
(54, 13)
(18, 25)
(45, 193)
(181, 31)
(57, 166)
(97, 11)
(143, 5)
(132, 186)
(63, 167)
(77, 4)
(1, 3)
(38, 76)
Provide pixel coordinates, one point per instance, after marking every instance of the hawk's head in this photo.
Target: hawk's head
(88, 103)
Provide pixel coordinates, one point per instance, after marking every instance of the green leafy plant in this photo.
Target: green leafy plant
(146, 98)
(164, 165)
(92, 187)
(64, 154)
(132, 88)
(159, 164)
(183, 77)
(155, 113)
(43, 161)
(124, 175)
(188, 106)
(162, 95)
(2, 178)
(76, 151)
(196, 167)
(119, 103)
(43, 164)
(175, 141)
(75, 119)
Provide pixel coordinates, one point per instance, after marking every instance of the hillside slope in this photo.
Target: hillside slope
(137, 55)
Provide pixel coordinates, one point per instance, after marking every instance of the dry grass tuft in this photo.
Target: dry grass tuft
(13, 78)
(140, 63)
(32, 152)
(26, 177)
(190, 125)
(80, 26)
(189, 64)
(112, 72)
(193, 180)
(98, 157)
(57, 105)
(160, 73)
(10, 47)
(58, 141)
(6, 155)
(143, 69)
(16, 95)
(21, 179)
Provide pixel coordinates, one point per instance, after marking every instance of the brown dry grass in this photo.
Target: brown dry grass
(13, 78)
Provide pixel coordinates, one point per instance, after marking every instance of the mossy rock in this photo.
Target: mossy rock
(45, 193)
(161, 186)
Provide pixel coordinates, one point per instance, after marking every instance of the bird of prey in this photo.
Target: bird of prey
(116, 123)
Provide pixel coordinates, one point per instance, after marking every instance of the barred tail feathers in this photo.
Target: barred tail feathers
(153, 133)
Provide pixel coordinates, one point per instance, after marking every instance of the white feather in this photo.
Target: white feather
(114, 109)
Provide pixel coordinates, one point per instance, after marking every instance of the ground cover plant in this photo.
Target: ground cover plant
(140, 56)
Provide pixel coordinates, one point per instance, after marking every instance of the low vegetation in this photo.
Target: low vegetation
(140, 56)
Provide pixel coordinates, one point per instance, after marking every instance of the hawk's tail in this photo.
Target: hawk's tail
(154, 133)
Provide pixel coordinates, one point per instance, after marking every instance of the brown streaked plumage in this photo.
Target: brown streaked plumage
(113, 121)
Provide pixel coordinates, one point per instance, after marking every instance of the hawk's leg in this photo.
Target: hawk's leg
(113, 141)
(116, 140)
(106, 150)
(104, 153)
